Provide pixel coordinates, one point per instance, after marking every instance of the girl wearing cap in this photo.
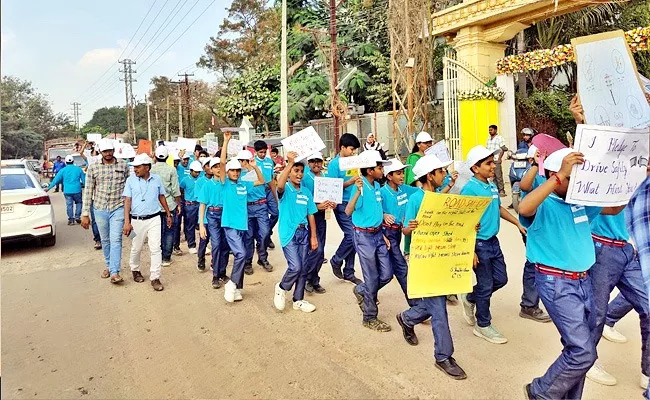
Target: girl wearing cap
(430, 173)
(561, 247)
(234, 218)
(190, 204)
(489, 264)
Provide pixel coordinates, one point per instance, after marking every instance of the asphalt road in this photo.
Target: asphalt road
(66, 333)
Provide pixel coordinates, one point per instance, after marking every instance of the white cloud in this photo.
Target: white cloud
(103, 56)
(6, 37)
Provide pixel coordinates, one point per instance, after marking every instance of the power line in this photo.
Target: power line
(149, 27)
(162, 26)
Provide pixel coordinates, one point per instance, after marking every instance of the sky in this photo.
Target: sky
(69, 49)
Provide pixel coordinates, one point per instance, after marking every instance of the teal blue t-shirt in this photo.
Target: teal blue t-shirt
(368, 212)
(491, 220)
(395, 202)
(295, 205)
(413, 205)
(445, 182)
(257, 192)
(235, 207)
(188, 184)
(211, 194)
(265, 165)
(611, 226)
(308, 180)
(527, 221)
(200, 181)
(333, 171)
(560, 236)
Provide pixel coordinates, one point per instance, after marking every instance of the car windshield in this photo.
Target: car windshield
(13, 166)
(16, 181)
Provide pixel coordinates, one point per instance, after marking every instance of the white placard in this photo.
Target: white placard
(464, 175)
(235, 146)
(250, 176)
(328, 189)
(212, 147)
(352, 162)
(124, 150)
(609, 89)
(173, 146)
(439, 150)
(305, 143)
(186, 144)
(616, 160)
(94, 137)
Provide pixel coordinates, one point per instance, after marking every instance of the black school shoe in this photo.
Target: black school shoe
(266, 265)
(452, 369)
(319, 289)
(270, 244)
(216, 283)
(336, 270)
(201, 265)
(309, 288)
(408, 331)
(248, 269)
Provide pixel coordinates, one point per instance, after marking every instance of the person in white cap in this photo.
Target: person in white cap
(202, 182)
(297, 231)
(73, 179)
(103, 193)
(422, 142)
(183, 169)
(560, 245)
(369, 241)
(497, 144)
(258, 219)
(191, 204)
(489, 263)
(144, 199)
(234, 218)
(315, 258)
(169, 178)
(430, 173)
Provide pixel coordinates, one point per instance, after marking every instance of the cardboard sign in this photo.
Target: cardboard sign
(616, 161)
(186, 144)
(145, 147)
(94, 137)
(546, 145)
(442, 246)
(305, 143)
(235, 146)
(212, 147)
(328, 189)
(439, 150)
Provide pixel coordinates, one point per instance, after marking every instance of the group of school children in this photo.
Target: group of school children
(235, 202)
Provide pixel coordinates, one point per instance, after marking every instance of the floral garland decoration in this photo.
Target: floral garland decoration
(535, 60)
(483, 93)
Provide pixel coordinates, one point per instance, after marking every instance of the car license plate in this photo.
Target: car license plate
(521, 164)
(7, 209)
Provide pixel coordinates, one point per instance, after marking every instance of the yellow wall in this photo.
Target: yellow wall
(475, 116)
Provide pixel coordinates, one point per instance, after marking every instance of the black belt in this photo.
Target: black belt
(144, 217)
(393, 227)
(214, 208)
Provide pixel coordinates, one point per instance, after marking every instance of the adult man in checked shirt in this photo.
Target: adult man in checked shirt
(103, 193)
(497, 142)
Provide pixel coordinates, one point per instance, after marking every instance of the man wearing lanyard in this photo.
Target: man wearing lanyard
(144, 195)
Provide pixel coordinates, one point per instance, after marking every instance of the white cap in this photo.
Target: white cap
(204, 160)
(316, 156)
(477, 154)
(141, 159)
(196, 166)
(531, 151)
(244, 155)
(554, 161)
(186, 155)
(105, 144)
(69, 158)
(395, 165)
(427, 164)
(423, 137)
(372, 157)
(233, 164)
(214, 161)
(175, 156)
(162, 152)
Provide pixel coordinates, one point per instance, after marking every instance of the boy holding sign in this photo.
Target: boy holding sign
(296, 236)
(560, 245)
(430, 172)
(489, 264)
(348, 144)
(369, 240)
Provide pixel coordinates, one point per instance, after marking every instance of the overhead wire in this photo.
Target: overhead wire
(173, 13)
(147, 30)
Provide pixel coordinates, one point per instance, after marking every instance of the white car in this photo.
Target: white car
(24, 164)
(27, 212)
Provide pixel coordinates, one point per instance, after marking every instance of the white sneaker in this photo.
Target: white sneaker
(279, 298)
(229, 291)
(597, 374)
(304, 306)
(490, 334)
(644, 381)
(238, 296)
(468, 310)
(192, 250)
(610, 333)
(166, 263)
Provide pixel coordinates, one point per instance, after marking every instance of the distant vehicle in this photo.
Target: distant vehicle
(27, 212)
(21, 164)
(36, 165)
(59, 147)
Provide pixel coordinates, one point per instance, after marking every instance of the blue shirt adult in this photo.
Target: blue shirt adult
(58, 166)
(611, 226)
(368, 211)
(144, 194)
(333, 171)
(188, 185)
(72, 178)
(560, 235)
(537, 181)
(413, 205)
(490, 220)
(394, 202)
(210, 194)
(295, 205)
(235, 208)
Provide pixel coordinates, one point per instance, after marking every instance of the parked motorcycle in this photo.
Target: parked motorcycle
(517, 171)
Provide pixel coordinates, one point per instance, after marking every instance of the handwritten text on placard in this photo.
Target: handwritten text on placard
(305, 143)
(235, 146)
(328, 189)
(212, 147)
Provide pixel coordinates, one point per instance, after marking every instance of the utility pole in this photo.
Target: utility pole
(179, 99)
(148, 118)
(167, 120)
(284, 103)
(75, 110)
(334, 59)
(188, 102)
(128, 90)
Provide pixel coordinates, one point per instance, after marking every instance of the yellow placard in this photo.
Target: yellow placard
(442, 246)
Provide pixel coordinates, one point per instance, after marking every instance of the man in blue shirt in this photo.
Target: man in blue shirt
(348, 144)
(58, 166)
(190, 204)
(489, 263)
(73, 178)
(369, 240)
(144, 194)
